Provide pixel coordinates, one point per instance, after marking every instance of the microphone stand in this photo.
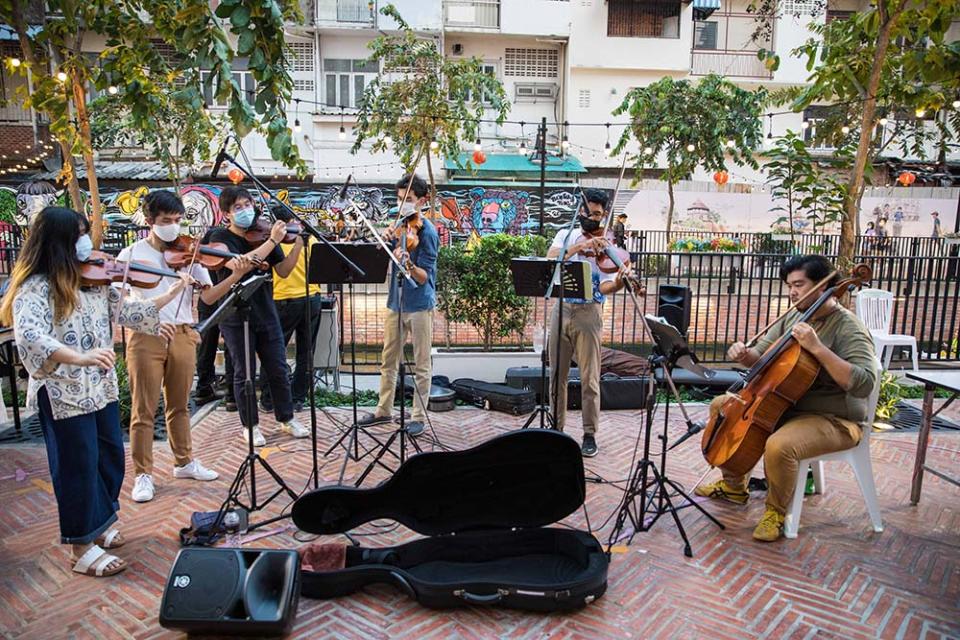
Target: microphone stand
(312, 231)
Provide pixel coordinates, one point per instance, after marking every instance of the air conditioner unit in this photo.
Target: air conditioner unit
(531, 91)
(457, 49)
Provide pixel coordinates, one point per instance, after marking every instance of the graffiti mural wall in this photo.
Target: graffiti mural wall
(463, 210)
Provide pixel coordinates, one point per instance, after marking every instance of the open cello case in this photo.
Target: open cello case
(483, 512)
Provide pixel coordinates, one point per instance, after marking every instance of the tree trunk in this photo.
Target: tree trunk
(790, 214)
(26, 47)
(433, 186)
(669, 210)
(855, 186)
(83, 123)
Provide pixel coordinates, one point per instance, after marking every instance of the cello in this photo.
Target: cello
(736, 435)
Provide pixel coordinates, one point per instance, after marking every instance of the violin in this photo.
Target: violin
(184, 251)
(736, 435)
(103, 269)
(407, 229)
(260, 232)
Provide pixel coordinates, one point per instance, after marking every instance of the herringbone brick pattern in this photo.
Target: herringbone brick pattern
(837, 580)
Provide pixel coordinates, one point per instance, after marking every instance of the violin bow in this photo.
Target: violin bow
(760, 333)
(406, 191)
(616, 191)
(123, 291)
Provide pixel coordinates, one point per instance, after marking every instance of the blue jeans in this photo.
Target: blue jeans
(86, 459)
(293, 321)
(266, 342)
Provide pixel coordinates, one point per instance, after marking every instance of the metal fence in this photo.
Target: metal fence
(733, 294)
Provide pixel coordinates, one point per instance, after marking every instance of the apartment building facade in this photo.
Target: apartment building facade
(563, 60)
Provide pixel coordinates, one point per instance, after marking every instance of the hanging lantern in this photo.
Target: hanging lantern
(907, 178)
(721, 177)
(235, 175)
(479, 157)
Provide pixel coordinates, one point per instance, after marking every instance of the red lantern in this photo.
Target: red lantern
(235, 175)
(906, 178)
(721, 177)
(479, 157)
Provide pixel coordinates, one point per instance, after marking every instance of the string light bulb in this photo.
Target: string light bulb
(14, 62)
(845, 129)
(920, 112)
(296, 125)
(731, 143)
(342, 133)
(387, 140)
(61, 76)
(770, 130)
(804, 125)
(112, 90)
(477, 146)
(434, 145)
(956, 104)
(522, 149)
(648, 151)
(883, 121)
(690, 148)
(565, 141)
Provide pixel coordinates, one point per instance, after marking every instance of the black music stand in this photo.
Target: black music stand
(237, 303)
(647, 483)
(325, 269)
(534, 278)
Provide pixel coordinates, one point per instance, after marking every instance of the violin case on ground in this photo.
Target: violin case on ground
(496, 397)
(616, 392)
(484, 513)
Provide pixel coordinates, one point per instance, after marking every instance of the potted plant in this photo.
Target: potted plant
(781, 231)
(720, 255)
(475, 286)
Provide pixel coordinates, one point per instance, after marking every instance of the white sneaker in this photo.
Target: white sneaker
(142, 488)
(295, 429)
(258, 439)
(195, 471)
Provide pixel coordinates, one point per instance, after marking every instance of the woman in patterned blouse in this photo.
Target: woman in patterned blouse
(65, 341)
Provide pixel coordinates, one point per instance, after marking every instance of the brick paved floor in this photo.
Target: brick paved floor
(837, 580)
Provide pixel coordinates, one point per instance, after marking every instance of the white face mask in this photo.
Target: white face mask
(167, 232)
(84, 248)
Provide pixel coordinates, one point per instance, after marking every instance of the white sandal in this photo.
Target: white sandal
(94, 562)
(108, 538)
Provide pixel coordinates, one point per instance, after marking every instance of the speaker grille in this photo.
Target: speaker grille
(203, 585)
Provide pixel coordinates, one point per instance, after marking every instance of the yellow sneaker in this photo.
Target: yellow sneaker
(722, 491)
(770, 527)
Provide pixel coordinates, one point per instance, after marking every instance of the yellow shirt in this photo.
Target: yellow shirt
(291, 287)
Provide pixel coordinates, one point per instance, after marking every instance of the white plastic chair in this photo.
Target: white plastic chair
(875, 310)
(859, 460)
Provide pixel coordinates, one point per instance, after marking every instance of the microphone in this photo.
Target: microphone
(693, 428)
(221, 156)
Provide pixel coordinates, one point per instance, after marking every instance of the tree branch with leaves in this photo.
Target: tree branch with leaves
(421, 97)
(689, 125)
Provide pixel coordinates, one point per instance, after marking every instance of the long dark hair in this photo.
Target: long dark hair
(50, 250)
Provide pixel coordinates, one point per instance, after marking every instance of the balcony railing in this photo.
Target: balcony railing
(736, 64)
(353, 12)
(13, 113)
(474, 14)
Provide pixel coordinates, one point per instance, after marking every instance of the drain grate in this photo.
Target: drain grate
(907, 418)
(30, 431)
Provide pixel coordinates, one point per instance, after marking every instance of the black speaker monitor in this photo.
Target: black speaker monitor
(232, 591)
(673, 304)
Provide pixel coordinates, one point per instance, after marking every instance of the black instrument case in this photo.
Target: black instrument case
(484, 511)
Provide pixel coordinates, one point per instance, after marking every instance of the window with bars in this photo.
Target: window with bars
(166, 51)
(583, 98)
(302, 59)
(836, 14)
(643, 19)
(344, 80)
(489, 69)
(801, 7)
(531, 63)
(705, 35)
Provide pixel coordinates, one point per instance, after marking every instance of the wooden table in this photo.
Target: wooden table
(932, 380)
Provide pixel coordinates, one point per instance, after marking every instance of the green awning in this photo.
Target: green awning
(515, 165)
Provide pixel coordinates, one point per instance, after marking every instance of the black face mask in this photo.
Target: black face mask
(589, 225)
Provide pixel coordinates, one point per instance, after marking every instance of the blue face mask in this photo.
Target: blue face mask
(84, 248)
(243, 218)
